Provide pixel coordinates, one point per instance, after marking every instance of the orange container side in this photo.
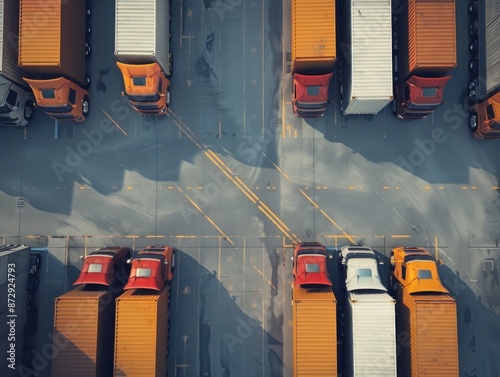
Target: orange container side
(83, 333)
(313, 36)
(432, 35)
(427, 334)
(314, 332)
(141, 333)
(52, 39)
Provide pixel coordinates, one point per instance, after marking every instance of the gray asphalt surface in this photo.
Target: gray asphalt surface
(231, 178)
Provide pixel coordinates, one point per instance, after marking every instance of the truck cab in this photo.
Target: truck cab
(310, 94)
(310, 265)
(102, 266)
(416, 270)
(360, 266)
(61, 99)
(418, 97)
(152, 268)
(16, 104)
(484, 118)
(147, 87)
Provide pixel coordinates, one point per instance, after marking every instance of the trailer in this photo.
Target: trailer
(141, 333)
(367, 67)
(142, 48)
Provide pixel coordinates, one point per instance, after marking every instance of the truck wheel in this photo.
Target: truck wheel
(394, 106)
(473, 7)
(85, 106)
(473, 121)
(88, 30)
(171, 64)
(473, 47)
(28, 110)
(88, 50)
(172, 268)
(88, 81)
(88, 13)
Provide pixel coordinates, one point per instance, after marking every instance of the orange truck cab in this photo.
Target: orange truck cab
(416, 270)
(485, 118)
(152, 268)
(61, 99)
(146, 86)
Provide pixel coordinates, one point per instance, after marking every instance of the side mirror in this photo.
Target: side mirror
(123, 94)
(381, 262)
(330, 256)
(343, 261)
(291, 258)
(82, 257)
(440, 261)
(129, 261)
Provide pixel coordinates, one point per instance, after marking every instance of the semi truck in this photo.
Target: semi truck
(367, 65)
(14, 270)
(426, 318)
(313, 55)
(370, 316)
(152, 268)
(105, 266)
(53, 47)
(83, 332)
(425, 53)
(310, 268)
(16, 100)
(314, 321)
(142, 43)
(141, 333)
(484, 89)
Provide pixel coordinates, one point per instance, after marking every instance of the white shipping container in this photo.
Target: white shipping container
(142, 32)
(367, 69)
(370, 330)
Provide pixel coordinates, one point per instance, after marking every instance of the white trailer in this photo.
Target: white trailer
(367, 81)
(369, 316)
(142, 32)
(370, 330)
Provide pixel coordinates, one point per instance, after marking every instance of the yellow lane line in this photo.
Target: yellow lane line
(206, 216)
(116, 124)
(226, 170)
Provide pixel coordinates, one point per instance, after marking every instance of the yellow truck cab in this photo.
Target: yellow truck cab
(416, 270)
(61, 99)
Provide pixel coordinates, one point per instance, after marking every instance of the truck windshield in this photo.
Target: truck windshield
(153, 97)
(143, 273)
(95, 267)
(311, 252)
(56, 109)
(423, 106)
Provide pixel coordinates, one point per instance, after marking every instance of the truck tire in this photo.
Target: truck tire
(28, 110)
(88, 13)
(88, 81)
(85, 106)
(88, 50)
(473, 121)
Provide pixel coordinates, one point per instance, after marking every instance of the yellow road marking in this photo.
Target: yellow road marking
(116, 124)
(400, 236)
(263, 276)
(206, 216)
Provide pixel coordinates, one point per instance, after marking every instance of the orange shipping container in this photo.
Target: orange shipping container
(427, 37)
(52, 38)
(141, 333)
(314, 332)
(83, 333)
(313, 36)
(427, 334)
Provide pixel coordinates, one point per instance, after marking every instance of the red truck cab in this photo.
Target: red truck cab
(152, 268)
(418, 97)
(102, 266)
(61, 99)
(485, 118)
(310, 94)
(147, 87)
(310, 265)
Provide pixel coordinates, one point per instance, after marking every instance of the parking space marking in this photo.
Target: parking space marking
(114, 122)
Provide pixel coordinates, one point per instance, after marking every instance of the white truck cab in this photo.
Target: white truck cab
(360, 265)
(16, 104)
